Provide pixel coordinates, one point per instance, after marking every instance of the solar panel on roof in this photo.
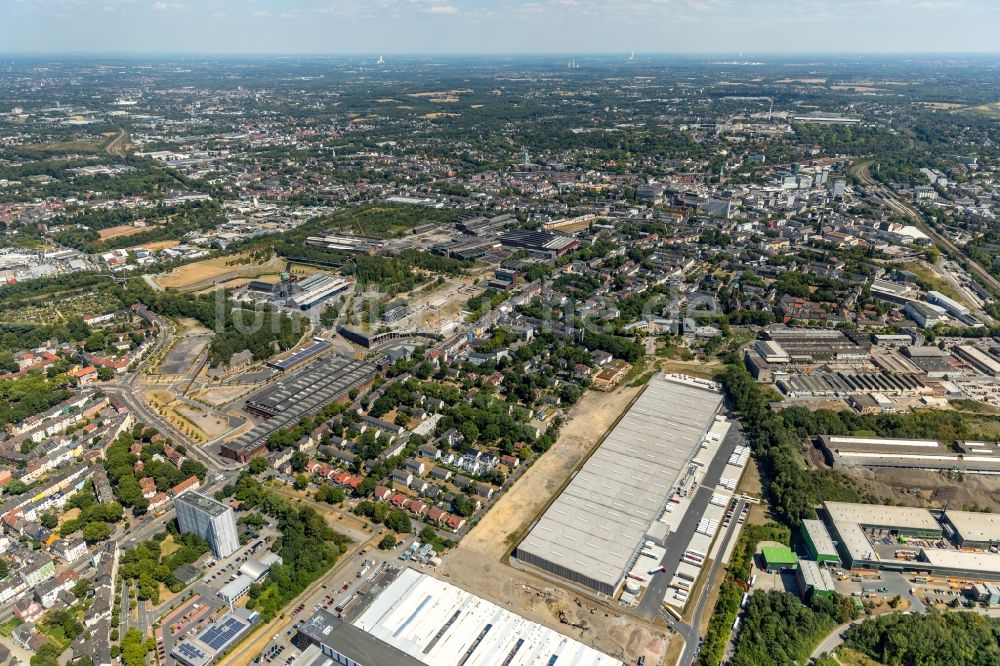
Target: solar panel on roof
(220, 635)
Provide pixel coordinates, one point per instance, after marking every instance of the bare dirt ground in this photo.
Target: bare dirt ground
(183, 353)
(222, 395)
(915, 487)
(479, 563)
(120, 230)
(693, 368)
(210, 424)
(928, 488)
(199, 271)
(160, 245)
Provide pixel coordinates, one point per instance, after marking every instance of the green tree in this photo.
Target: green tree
(258, 465)
(94, 532)
(49, 520)
(298, 461)
(47, 655)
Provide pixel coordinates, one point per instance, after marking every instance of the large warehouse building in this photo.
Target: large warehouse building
(303, 394)
(956, 543)
(432, 622)
(593, 532)
(969, 457)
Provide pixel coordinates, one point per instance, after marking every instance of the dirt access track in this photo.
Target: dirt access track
(479, 563)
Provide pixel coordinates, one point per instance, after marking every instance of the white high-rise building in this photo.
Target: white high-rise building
(209, 519)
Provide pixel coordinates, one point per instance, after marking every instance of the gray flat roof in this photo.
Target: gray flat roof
(820, 536)
(815, 576)
(987, 563)
(326, 378)
(320, 383)
(327, 629)
(975, 526)
(597, 522)
(880, 515)
(847, 519)
(202, 503)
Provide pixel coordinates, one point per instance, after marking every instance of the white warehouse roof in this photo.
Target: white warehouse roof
(438, 623)
(591, 532)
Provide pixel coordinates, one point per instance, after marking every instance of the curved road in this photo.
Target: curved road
(833, 640)
(112, 148)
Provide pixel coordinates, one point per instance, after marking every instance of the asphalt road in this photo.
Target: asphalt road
(833, 640)
(691, 646)
(677, 542)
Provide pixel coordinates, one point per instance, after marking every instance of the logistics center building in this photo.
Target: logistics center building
(593, 532)
(895, 538)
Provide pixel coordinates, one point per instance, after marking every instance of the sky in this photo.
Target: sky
(385, 27)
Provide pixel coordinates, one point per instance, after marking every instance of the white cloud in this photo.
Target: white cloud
(442, 9)
(260, 13)
(165, 6)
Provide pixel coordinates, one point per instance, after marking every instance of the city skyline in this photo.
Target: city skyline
(444, 27)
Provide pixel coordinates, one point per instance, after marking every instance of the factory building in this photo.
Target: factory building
(950, 306)
(593, 532)
(820, 345)
(819, 542)
(813, 580)
(980, 360)
(827, 384)
(439, 623)
(327, 380)
(895, 538)
(968, 457)
(317, 289)
(345, 243)
(923, 314)
(779, 558)
(771, 351)
(972, 529)
(542, 244)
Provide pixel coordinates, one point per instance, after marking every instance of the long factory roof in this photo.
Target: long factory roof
(820, 536)
(986, 563)
(596, 523)
(438, 623)
(975, 526)
(848, 518)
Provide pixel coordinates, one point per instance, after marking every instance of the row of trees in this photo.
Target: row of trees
(731, 592)
(793, 491)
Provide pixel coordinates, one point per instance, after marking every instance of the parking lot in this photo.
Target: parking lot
(333, 596)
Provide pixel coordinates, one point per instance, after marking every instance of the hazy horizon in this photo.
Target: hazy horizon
(505, 27)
